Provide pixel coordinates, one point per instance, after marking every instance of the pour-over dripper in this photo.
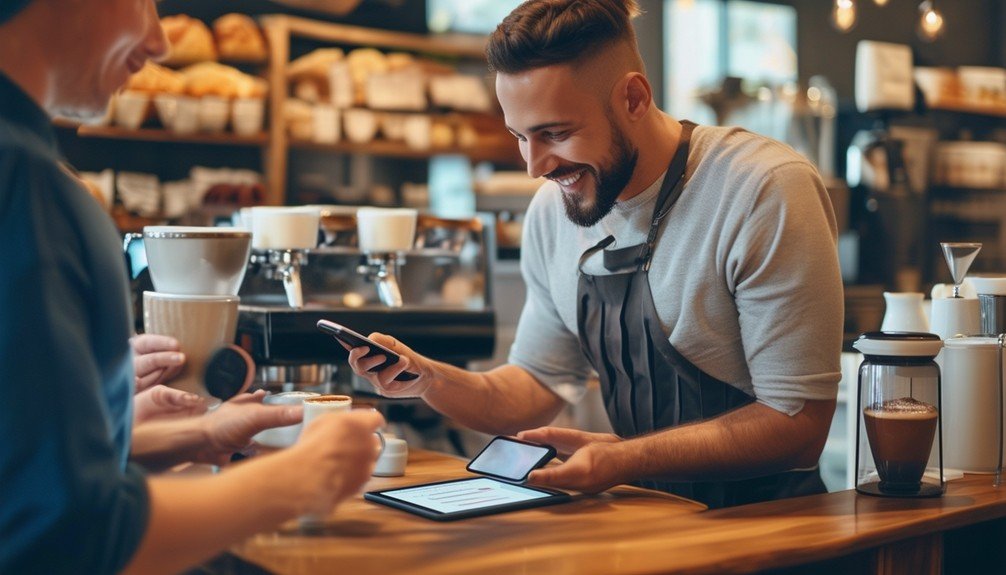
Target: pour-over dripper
(959, 256)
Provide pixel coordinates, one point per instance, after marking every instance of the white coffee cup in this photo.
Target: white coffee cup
(326, 124)
(202, 324)
(285, 228)
(287, 435)
(197, 260)
(247, 115)
(384, 230)
(315, 407)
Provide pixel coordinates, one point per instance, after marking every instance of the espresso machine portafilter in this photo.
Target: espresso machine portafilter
(281, 238)
(384, 236)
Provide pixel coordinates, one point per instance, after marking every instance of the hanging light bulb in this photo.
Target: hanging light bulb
(880, 2)
(930, 21)
(843, 15)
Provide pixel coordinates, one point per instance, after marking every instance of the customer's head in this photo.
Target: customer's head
(83, 50)
(572, 86)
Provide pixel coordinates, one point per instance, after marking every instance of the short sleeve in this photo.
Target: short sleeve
(544, 346)
(788, 289)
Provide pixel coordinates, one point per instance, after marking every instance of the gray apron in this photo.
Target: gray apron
(646, 384)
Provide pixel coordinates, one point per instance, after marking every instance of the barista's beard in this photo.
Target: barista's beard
(609, 183)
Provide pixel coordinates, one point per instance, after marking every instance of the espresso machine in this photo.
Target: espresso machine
(434, 296)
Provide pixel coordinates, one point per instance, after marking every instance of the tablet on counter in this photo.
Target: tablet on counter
(503, 464)
(468, 497)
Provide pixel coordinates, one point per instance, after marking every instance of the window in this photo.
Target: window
(467, 16)
(707, 40)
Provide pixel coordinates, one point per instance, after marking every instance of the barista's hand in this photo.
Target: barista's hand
(384, 380)
(161, 401)
(588, 465)
(230, 427)
(335, 456)
(156, 359)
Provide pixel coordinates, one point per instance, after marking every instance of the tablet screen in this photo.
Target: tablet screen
(464, 495)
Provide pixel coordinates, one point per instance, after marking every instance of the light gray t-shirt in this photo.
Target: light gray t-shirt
(744, 274)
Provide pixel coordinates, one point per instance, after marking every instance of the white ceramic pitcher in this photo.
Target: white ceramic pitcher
(905, 312)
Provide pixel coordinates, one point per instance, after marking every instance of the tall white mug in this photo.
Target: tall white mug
(386, 230)
(955, 316)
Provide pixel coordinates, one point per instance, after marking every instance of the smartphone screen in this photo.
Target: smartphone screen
(510, 459)
(354, 339)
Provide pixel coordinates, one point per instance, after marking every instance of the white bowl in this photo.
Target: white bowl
(197, 260)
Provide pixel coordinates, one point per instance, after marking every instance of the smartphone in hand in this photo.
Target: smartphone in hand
(354, 339)
(510, 459)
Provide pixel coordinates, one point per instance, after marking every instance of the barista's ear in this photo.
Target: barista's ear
(638, 95)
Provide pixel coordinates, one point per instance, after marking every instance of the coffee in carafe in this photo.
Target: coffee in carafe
(899, 435)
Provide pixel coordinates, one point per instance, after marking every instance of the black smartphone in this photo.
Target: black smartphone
(510, 459)
(353, 339)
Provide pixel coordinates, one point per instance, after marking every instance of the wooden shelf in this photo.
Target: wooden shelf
(159, 135)
(457, 45)
(500, 153)
(961, 105)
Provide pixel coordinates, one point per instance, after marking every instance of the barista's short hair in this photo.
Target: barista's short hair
(542, 33)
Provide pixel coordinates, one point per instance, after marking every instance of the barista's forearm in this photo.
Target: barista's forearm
(502, 401)
(160, 445)
(748, 442)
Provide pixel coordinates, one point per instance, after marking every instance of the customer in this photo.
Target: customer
(693, 268)
(71, 504)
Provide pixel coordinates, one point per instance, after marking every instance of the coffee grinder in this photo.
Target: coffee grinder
(899, 435)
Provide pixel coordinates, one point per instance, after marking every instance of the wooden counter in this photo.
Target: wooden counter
(628, 530)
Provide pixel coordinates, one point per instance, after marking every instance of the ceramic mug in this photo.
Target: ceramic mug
(202, 324)
(386, 230)
(283, 436)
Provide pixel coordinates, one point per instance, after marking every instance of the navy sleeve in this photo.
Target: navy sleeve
(69, 505)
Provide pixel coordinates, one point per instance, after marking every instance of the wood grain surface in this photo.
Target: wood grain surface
(626, 531)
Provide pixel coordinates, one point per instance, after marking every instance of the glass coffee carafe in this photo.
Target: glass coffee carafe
(899, 438)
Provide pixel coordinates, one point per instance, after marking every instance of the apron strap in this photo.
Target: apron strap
(591, 251)
(670, 191)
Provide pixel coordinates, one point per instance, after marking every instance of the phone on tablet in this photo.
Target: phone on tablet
(353, 339)
(505, 464)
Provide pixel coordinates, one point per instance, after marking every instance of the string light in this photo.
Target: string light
(930, 21)
(843, 15)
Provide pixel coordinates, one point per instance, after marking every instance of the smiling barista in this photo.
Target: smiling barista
(693, 268)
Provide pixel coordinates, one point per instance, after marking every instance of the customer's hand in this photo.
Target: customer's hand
(587, 468)
(230, 427)
(156, 359)
(160, 401)
(336, 454)
(384, 380)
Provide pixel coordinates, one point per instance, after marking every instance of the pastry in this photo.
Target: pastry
(315, 65)
(239, 38)
(155, 79)
(212, 79)
(190, 40)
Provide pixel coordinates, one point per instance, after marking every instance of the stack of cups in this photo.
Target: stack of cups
(197, 272)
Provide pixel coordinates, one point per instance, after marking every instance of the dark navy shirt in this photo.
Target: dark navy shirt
(69, 503)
